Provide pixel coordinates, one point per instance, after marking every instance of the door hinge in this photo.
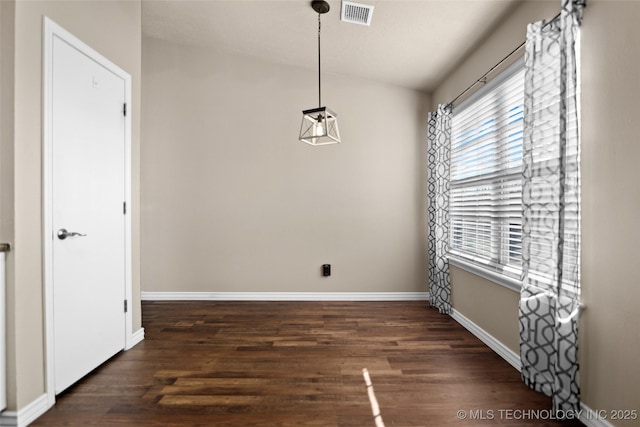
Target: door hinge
(124, 208)
(124, 109)
(125, 306)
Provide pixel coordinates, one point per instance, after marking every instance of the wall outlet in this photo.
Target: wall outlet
(326, 270)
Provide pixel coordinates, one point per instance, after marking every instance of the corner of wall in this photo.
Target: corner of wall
(7, 103)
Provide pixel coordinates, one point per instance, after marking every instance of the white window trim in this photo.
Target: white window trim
(485, 273)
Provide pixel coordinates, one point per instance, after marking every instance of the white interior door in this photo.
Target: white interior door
(88, 192)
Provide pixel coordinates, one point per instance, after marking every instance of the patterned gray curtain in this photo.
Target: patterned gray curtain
(550, 296)
(439, 156)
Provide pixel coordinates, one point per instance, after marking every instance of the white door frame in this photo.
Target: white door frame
(51, 31)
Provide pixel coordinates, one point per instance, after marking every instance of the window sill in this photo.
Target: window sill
(492, 276)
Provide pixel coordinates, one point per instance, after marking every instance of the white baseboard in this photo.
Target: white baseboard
(505, 352)
(35, 409)
(26, 415)
(284, 296)
(135, 338)
(588, 416)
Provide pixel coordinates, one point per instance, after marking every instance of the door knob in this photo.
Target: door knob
(63, 234)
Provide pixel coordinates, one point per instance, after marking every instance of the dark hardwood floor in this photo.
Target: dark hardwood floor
(300, 364)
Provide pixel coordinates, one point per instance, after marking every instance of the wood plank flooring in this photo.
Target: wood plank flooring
(299, 364)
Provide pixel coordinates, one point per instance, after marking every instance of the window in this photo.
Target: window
(486, 162)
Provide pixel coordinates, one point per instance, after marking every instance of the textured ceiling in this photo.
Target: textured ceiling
(412, 44)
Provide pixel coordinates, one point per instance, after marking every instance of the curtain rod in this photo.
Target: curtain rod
(483, 79)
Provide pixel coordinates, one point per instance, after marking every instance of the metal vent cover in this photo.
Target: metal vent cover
(356, 13)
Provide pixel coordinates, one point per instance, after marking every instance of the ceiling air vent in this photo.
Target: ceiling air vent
(356, 13)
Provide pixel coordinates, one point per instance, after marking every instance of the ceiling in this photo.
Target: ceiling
(411, 44)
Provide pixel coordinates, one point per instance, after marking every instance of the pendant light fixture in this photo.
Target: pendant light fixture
(319, 125)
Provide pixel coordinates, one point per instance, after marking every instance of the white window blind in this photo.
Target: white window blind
(486, 165)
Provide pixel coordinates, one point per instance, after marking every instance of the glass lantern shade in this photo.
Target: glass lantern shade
(319, 127)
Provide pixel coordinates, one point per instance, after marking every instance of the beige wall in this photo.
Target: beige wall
(609, 335)
(232, 201)
(114, 29)
(470, 294)
(7, 33)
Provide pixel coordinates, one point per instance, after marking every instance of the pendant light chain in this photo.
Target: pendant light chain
(319, 80)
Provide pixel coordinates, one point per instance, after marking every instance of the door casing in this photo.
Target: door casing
(50, 31)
